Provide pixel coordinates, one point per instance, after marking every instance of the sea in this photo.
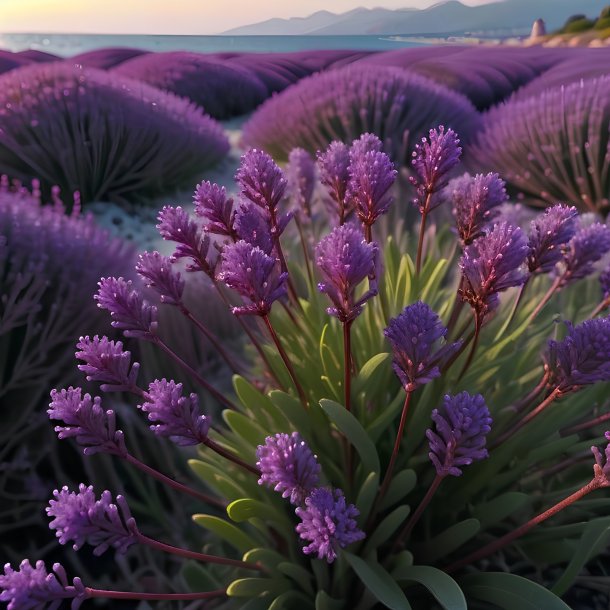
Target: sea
(66, 45)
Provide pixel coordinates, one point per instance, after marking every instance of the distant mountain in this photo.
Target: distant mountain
(452, 17)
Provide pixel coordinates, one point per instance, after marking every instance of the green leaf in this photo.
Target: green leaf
(401, 485)
(297, 573)
(255, 587)
(400, 563)
(451, 539)
(595, 537)
(227, 531)
(326, 602)
(446, 591)
(510, 592)
(292, 410)
(290, 600)
(375, 578)
(245, 508)
(265, 556)
(199, 578)
(216, 479)
(500, 507)
(354, 432)
(387, 528)
(367, 495)
(244, 427)
(368, 370)
(260, 406)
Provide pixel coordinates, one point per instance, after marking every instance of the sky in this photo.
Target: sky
(168, 16)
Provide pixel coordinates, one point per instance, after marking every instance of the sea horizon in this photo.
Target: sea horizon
(67, 45)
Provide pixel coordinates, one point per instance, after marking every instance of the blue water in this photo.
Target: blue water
(72, 44)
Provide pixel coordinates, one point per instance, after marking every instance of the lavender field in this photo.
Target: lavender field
(320, 329)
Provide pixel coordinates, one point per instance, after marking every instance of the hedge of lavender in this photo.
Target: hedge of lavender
(342, 104)
(221, 89)
(554, 146)
(106, 58)
(416, 429)
(106, 136)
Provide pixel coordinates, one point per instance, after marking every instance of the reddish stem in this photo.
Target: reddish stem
(547, 297)
(347, 364)
(422, 230)
(597, 482)
(473, 348)
(214, 446)
(591, 423)
(172, 483)
(153, 596)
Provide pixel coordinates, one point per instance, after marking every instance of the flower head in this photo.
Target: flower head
(254, 275)
(371, 175)
(80, 518)
(85, 420)
(549, 232)
(604, 282)
(178, 417)
(582, 357)
(176, 225)
(129, 312)
(587, 246)
(211, 202)
(261, 180)
(158, 273)
(415, 336)
(252, 225)
(475, 202)
(459, 437)
(491, 264)
(433, 159)
(333, 165)
(107, 363)
(288, 465)
(32, 588)
(327, 523)
(301, 173)
(345, 259)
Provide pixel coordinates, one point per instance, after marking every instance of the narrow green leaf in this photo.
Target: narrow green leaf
(451, 539)
(354, 432)
(293, 411)
(386, 528)
(216, 479)
(375, 578)
(366, 496)
(258, 404)
(510, 592)
(326, 602)
(199, 578)
(265, 556)
(244, 427)
(291, 600)
(400, 487)
(368, 370)
(446, 591)
(227, 531)
(595, 537)
(500, 507)
(255, 587)
(297, 573)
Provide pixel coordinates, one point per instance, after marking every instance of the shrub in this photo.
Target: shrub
(553, 146)
(383, 455)
(104, 135)
(223, 90)
(603, 23)
(106, 58)
(577, 26)
(342, 104)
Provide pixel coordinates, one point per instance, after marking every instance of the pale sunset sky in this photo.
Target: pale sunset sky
(168, 16)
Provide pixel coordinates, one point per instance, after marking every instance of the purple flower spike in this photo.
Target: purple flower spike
(345, 259)
(549, 232)
(33, 588)
(129, 312)
(333, 165)
(301, 175)
(602, 462)
(178, 417)
(492, 264)
(414, 336)
(211, 202)
(367, 142)
(604, 282)
(191, 243)
(252, 225)
(80, 518)
(158, 273)
(85, 420)
(371, 175)
(254, 275)
(327, 523)
(582, 358)
(475, 202)
(462, 424)
(433, 159)
(107, 363)
(289, 466)
(587, 246)
(261, 180)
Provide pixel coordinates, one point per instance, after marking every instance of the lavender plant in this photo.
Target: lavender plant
(405, 438)
(109, 137)
(563, 134)
(341, 104)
